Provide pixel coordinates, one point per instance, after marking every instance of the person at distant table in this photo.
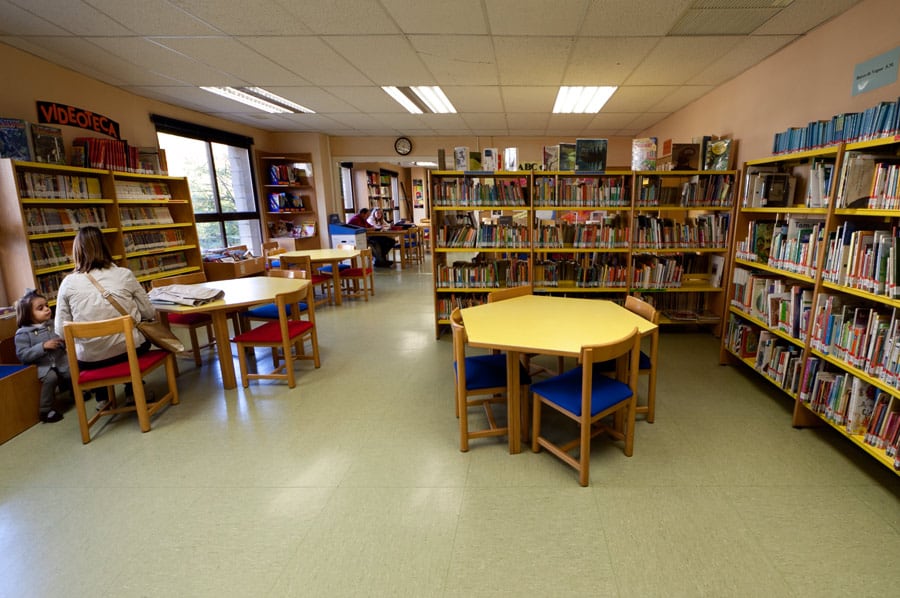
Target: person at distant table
(381, 246)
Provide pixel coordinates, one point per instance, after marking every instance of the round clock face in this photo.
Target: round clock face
(403, 146)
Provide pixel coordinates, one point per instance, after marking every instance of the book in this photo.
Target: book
(78, 156)
(590, 154)
(48, 144)
(510, 159)
(685, 156)
(15, 139)
(567, 156)
(643, 153)
(442, 159)
(717, 155)
(461, 158)
(475, 161)
(551, 157)
(489, 159)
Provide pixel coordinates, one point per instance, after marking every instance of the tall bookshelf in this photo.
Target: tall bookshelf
(815, 312)
(147, 221)
(288, 190)
(593, 234)
(380, 189)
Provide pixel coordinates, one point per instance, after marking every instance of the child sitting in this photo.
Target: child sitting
(38, 344)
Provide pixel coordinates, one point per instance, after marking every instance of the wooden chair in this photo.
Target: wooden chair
(271, 249)
(353, 276)
(192, 322)
(269, 312)
(132, 371)
(286, 338)
(480, 381)
(647, 365)
(587, 398)
(318, 280)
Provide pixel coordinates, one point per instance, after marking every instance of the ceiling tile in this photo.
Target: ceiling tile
(249, 17)
(637, 98)
(485, 120)
(528, 120)
(315, 98)
(676, 59)
(732, 21)
(449, 122)
(680, 98)
(457, 59)
(340, 17)
(633, 17)
(606, 60)
(474, 98)
(532, 61)
(74, 16)
(802, 15)
(458, 16)
(536, 17)
(386, 59)
(228, 56)
(153, 17)
(569, 122)
(529, 99)
(746, 53)
(18, 21)
(309, 57)
(366, 99)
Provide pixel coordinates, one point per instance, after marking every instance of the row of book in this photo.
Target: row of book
(869, 181)
(107, 154)
(145, 215)
(41, 185)
(153, 239)
(288, 174)
(706, 191)
(683, 307)
(485, 236)
(48, 284)
(612, 191)
(758, 243)
(55, 220)
(780, 304)
(651, 272)
(48, 254)
(481, 192)
(288, 202)
(581, 274)
(142, 190)
(708, 231)
(31, 142)
(611, 233)
(491, 274)
(795, 245)
(146, 265)
(863, 259)
(447, 302)
(880, 120)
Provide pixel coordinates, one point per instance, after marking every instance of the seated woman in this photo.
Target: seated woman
(381, 246)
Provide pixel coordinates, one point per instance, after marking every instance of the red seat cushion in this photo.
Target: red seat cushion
(119, 370)
(270, 332)
(355, 272)
(189, 319)
(319, 279)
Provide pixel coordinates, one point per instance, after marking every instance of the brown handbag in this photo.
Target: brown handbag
(153, 330)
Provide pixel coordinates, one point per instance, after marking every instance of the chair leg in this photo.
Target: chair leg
(289, 365)
(462, 409)
(584, 458)
(140, 404)
(535, 423)
(82, 415)
(195, 345)
(242, 362)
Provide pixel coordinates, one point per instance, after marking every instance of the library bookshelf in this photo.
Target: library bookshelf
(147, 221)
(288, 189)
(379, 185)
(813, 294)
(661, 235)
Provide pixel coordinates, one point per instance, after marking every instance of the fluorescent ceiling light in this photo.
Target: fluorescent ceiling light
(259, 98)
(582, 100)
(421, 99)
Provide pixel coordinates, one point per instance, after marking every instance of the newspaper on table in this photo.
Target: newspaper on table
(185, 294)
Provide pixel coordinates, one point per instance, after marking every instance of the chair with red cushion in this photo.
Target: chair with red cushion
(318, 280)
(362, 273)
(286, 337)
(131, 372)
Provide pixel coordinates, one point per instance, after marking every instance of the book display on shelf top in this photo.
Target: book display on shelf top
(829, 328)
(288, 198)
(581, 233)
(148, 222)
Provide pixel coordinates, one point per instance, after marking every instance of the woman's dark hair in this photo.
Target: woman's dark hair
(89, 250)
(23, 308)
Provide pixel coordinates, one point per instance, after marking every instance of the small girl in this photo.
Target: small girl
(38, 344)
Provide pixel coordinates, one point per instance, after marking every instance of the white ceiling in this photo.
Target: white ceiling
(499, 61)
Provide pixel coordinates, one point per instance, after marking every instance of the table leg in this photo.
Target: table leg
(223, 346)
(336, 281)
(513, 402)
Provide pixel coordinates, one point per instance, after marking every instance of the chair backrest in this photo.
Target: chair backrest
(192, 278)
(297, 262)
(642, 308)
(625, 351)
(285, 273)
(458, 330)
(508, 293)
(268, 246)
(282, 300)
(82, 330)
(365, 258)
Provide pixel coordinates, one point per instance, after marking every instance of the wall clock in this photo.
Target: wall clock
(403, 146)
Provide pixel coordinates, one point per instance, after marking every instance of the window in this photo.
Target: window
(217, 166)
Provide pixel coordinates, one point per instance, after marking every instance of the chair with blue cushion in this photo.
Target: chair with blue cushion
(270, 250)
(647, 362)
(587, 398)
(323, 282)
(480, 381)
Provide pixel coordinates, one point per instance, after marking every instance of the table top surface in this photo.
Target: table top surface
(549, 325)
(319, 254)
(240, 292)
(390, 231)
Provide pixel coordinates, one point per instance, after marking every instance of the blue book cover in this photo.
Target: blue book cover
(15, 139)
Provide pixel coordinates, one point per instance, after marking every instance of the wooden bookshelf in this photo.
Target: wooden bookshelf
(592, 234)
(147, 221)
(833, 345)
(288, 197)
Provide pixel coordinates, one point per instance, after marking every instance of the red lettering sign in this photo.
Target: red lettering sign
(61, 114)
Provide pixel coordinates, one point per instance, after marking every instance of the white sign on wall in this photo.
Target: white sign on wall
(876, 72)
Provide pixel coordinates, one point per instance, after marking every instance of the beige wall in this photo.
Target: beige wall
(809, 80)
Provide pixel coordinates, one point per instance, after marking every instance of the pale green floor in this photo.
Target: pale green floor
(352, 484)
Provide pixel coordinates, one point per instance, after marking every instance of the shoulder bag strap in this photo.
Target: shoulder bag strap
(106, 295)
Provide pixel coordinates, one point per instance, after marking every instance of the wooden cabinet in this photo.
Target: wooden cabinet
(288, 190)
(147, 221)
(661, 235)
(813, 293)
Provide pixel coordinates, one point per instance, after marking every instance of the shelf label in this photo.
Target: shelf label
(61, 114)
(876, 72)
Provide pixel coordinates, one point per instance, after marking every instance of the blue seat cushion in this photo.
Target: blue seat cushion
(610, 366)
(327, 268)
(565, 391)
(275, 264)
(489, 371)
(270, 311)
